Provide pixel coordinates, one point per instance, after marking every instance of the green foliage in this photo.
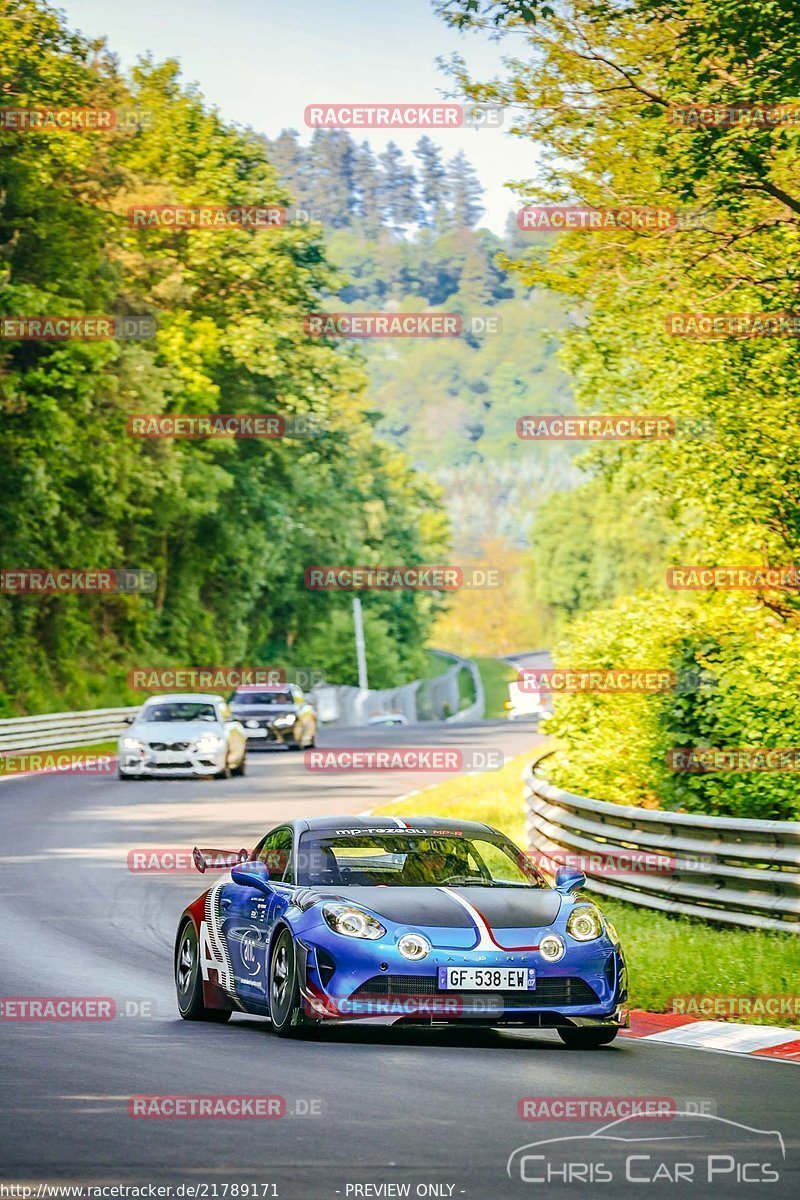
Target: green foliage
(593, 544)
(229, 526)
(742, 664)
(593, 84)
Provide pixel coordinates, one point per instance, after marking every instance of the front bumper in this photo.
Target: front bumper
(179, 763)
(266, 735)
(590, 991)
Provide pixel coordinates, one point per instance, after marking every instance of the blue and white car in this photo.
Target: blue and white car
(423, 920)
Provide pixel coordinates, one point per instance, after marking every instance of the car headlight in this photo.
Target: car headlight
(352, 921)
(285, 719)
(208, 742)
(585, 923)
(552, 948)
(251, 724)
(414, 946)
(133, 743)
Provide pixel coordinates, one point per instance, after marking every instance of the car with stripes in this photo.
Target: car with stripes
(398, 920)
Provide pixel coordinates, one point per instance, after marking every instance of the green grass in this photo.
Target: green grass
(435, 665)
(667, 956)
(496, 674)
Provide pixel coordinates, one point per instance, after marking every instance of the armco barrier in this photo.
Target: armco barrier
(51, 730)
(427, 699)
(731, 870)
(435, 699)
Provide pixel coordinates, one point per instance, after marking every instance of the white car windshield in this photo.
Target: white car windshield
(179, 710)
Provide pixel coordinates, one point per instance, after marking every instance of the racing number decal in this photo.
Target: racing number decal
(212, 950)
(208, 958)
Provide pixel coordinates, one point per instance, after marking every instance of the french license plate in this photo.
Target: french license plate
(256, 732)
(486, 979)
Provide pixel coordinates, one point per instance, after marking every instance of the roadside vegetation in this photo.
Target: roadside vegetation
(667, 956)
(496, 674)
(723, 490)
(228, 526)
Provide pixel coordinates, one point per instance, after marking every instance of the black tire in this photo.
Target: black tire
(285, 1001)
(587, 1039)
(124, 776)
(242, 767)
(188, 984)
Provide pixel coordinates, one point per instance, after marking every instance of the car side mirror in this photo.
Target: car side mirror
(253, 875)
(569, 879)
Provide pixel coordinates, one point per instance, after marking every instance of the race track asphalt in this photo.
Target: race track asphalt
(371, 1111)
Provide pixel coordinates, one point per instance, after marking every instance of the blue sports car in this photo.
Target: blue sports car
(423, 920)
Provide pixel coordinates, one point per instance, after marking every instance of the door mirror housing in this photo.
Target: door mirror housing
(569, 879)
(253, 875)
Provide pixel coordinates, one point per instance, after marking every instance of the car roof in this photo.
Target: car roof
(200, 697)
(378, 822)
(264, 687)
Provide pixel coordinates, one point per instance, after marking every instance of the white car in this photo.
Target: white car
(523, 706)
(389, 718)
(185, 735)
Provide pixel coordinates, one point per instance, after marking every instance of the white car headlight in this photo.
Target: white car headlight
(552, 948)
(414, 946)
(208, 743)
(585, 923)
(133, 743)
(352, 921)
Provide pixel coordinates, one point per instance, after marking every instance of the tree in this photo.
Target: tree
(228, 526)
(465, 192)
(399, 203)
(433, 182)
(331, 158)
(367, 201)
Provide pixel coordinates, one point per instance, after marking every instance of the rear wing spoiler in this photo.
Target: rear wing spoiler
(218, 860)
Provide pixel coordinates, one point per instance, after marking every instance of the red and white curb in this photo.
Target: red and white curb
(760, 1041)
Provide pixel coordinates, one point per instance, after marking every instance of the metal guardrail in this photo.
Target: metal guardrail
(347, 705)
(51, 730)
(735, 871)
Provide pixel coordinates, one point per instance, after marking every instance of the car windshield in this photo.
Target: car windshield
(253, 698)
(410, 860)
(179, 710)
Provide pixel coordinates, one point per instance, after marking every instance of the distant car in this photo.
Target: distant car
(389, 718)
(275, 715)
(412, 919)
(183, 735)
(523, 705)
